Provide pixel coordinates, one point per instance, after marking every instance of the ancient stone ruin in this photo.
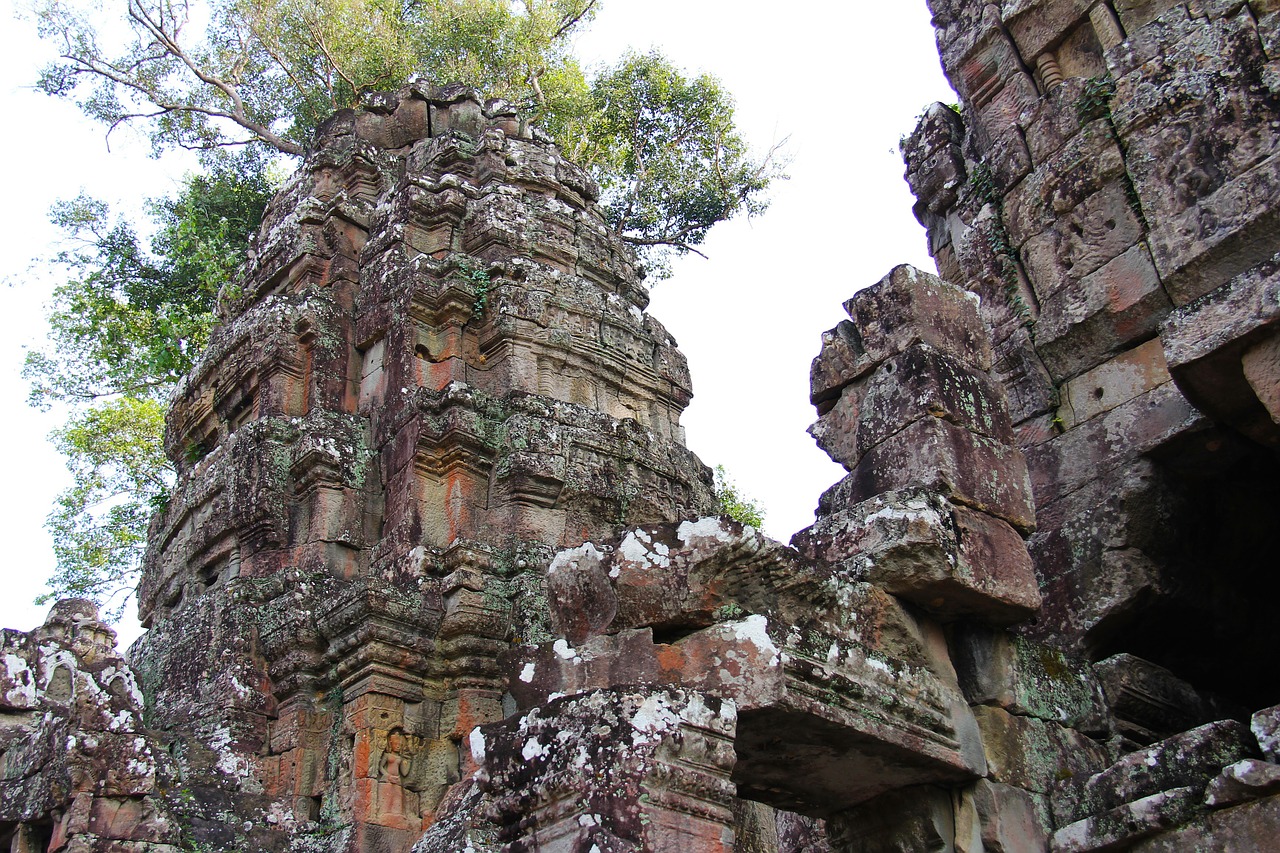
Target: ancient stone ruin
(439, 573)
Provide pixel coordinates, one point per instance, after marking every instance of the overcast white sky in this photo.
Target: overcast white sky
(843, 81)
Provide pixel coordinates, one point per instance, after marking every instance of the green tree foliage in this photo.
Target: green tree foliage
(267, 71)
(733, 503)
(669, 159)
(664, 148)
(99, 525)
(126, 324)
(129, 321)
(256, 77)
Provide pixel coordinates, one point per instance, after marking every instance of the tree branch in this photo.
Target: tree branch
(237, 113)
(568, 22)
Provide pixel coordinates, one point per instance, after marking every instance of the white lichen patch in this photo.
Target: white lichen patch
(21, 692)
(533, 748)
(911, 511)
(754, 630)
(228, 762)
(697, 712)
(565, 651)
(569, 559)
(704, 528)
(879, 666)
(126, 679)
(638, 547)
(121, 722)
(653, 718)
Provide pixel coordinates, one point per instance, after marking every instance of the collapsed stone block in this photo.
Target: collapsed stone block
(1182, 763)
(620, 770)
(1251, 826)
(1265, 725)
(905, 308)
(780, 631)
(1148, 702)
(1245, 780)
(73, 741)
(1128, 822)
(951, 560)
(967, 468)
(918, 383)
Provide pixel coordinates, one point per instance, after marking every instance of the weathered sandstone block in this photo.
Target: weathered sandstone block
(918, 383)
(905, 308)
(967, 468)
(951, 560)
(1185, 761)
(1028, 678)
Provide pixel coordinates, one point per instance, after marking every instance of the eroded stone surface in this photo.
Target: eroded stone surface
(74, 745)
(609, 770)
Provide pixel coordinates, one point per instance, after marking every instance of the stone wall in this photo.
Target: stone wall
(437, 574)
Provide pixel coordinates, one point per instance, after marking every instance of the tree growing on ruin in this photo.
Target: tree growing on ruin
(733, 503)
(130, 319)
(245, 83)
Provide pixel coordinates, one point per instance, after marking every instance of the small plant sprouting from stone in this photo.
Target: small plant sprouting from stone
(194, 452)
(625, 496)
(1095, 100)
(1095, 103)
(159, 502)
(983, 181)
(480, 281)
(733, 503)
(728, 612)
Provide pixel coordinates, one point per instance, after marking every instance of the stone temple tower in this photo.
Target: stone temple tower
(437, 371)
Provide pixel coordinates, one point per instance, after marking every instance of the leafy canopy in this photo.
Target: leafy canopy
(99, 524)
(264, 73)
(129, 321)
(124, 326)
(246, 82)
(670, 162)
(268, 71)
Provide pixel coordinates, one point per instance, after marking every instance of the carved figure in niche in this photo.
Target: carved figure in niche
(346, 774)
(1191, 169)
(394, 767)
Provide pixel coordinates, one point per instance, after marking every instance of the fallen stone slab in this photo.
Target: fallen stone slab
(1188, 760)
